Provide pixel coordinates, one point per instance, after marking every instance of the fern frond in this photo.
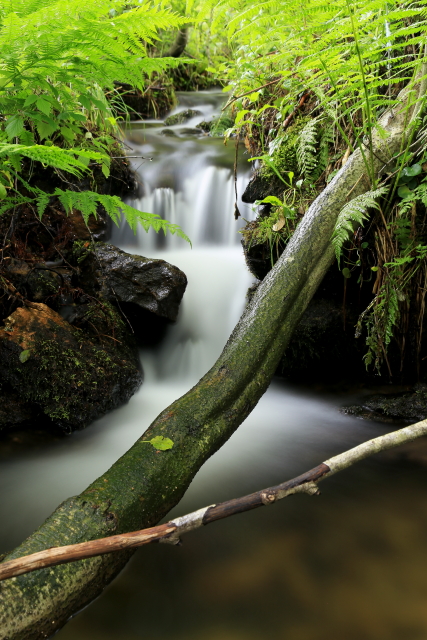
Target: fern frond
(87, 203)
(306, 150)
(353, 213)
(57, 157)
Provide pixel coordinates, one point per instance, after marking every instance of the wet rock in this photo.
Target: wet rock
(204, 126)
(181, 117)
(169, 133)
(260, 186)
(323, 347)
(70, 378)
(152, 285)
(14, 410)
(38, 281)
(189, 131)
(217, 126)
(401, 407)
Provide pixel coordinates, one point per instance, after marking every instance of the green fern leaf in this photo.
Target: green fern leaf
(354, 212)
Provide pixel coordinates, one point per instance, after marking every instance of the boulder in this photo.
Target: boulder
(181, 117)
(150, 284)
(60, 372)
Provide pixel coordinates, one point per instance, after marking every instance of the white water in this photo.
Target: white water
(189, 181)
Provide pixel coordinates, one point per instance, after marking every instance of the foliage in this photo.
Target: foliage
(353, 215)
(345, 62)
(57, 60)
(275, 228)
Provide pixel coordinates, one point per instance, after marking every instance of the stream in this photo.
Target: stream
(349, 564)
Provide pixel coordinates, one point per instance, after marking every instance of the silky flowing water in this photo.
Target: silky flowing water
(349, 564)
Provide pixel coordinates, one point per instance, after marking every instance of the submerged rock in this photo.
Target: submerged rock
(151, 284)
(181, 117)
(59, 372)
(169, 133)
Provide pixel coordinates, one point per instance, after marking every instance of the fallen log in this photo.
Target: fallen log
(142, 486)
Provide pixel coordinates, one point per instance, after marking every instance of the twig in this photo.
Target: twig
(242, 95)
(171, 531)
(299, 105)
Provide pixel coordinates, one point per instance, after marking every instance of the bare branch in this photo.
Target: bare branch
(171, 531)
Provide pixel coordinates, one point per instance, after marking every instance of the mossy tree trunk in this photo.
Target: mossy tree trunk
(144, 485)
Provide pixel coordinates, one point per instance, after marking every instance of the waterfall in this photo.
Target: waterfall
(199, 197)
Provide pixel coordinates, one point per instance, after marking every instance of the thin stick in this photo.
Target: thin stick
(171, 531)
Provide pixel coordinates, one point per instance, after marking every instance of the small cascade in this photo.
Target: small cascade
(189, 181)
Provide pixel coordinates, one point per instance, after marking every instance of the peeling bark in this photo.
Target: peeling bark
(142, 486)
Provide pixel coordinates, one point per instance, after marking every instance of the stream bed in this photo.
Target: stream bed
(349, 564)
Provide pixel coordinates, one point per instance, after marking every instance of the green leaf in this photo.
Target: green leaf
(14, 126)
(404, 191)
(78, 116)
(24, 355)
(160, 443)
(254, 96)
(44, 106)
(45, 129)
(99, 104)
(346, 272)
(364, 245)
(31, 99)
(415, 170)
(3, 192)
(270, 200)
(84, 101)
(241, 114)
(68, 134)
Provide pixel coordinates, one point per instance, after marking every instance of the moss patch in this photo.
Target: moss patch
(53, 365)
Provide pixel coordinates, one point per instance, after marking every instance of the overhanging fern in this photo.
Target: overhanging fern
(353, 213)
(87, 203)
(52, 156)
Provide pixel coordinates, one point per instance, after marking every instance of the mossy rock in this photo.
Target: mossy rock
(181, 117)
(285, 154)
(71, 379)
(217, 126)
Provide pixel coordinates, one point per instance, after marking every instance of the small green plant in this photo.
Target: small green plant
(275, 228)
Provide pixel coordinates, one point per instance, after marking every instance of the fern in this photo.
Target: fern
(52, 156)
(354, 212)
(306, 149)
(87, 203)
(51, 52)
